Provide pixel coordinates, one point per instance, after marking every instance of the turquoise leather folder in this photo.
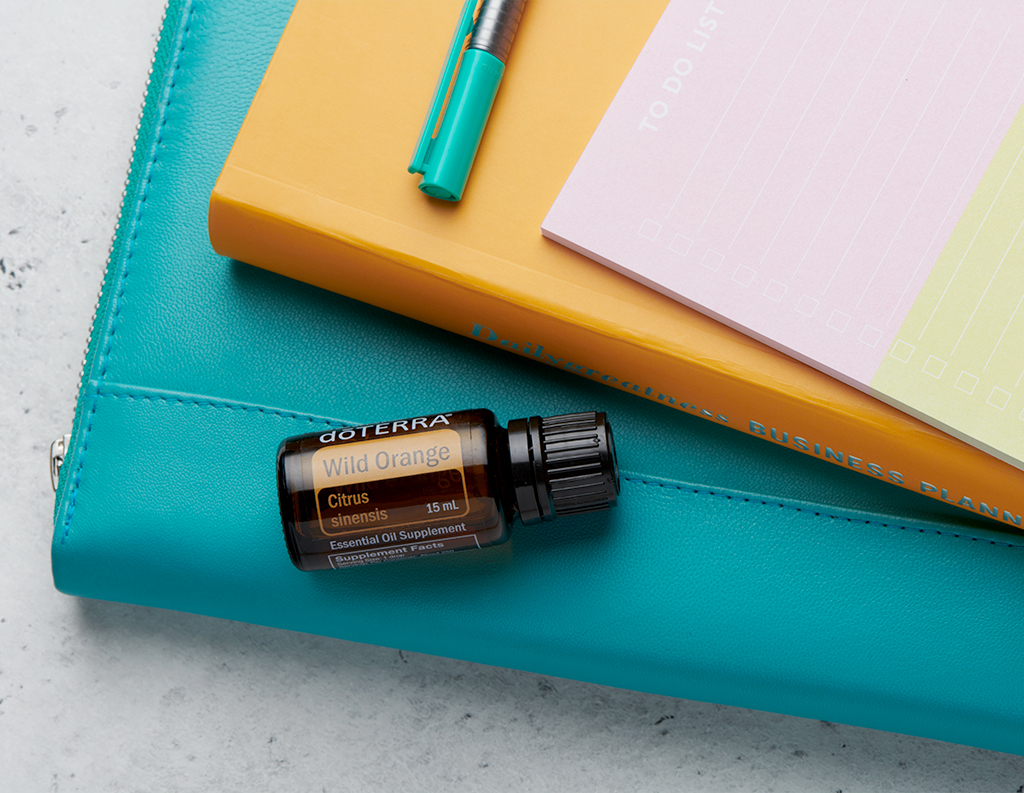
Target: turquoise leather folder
(733, 571)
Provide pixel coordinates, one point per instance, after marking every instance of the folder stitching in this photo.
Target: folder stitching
(118, 297)
(227, 405)
(817, 514)
(632, 480)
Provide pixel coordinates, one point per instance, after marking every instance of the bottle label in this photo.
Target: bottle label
(389, 483)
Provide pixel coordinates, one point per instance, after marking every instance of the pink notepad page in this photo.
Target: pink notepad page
(795, 168)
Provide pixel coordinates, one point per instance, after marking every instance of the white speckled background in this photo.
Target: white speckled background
(103, 697)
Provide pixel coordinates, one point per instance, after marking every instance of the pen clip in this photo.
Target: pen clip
(418, 164)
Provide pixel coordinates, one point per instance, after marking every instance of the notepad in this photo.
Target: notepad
(843, 181)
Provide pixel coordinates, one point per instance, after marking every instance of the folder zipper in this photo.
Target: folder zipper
(59, 447)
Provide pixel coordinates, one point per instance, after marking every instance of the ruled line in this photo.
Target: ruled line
(1008, 323)
(941, 225)
(910, 137)
(832, 135)
(763, 116)
(866, 143)
(989, 286)
(798, 123)
(867, 287)
(727, 109)
(971, 245)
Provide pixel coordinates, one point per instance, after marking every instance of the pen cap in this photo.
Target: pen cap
(452, 152)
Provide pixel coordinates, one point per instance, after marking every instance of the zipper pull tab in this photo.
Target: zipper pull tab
(57, 451)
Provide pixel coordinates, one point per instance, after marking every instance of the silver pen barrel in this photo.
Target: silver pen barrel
(496, 27)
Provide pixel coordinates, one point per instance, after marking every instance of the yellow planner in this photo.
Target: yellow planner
(316, 187)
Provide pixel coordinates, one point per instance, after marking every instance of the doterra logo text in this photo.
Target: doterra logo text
(387, 428)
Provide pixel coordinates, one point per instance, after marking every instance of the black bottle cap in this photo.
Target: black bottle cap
(562, 465)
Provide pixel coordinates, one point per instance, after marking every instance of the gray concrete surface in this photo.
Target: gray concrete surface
(105, 697)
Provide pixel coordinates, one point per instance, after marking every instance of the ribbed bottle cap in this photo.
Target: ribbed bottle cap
(562, 465)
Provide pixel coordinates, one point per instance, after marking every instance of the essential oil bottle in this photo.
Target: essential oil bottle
(436, 484)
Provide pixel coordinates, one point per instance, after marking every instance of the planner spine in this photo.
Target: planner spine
(843, 427)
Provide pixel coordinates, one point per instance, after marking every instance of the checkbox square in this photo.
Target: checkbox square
(870, 336)
(902, 351)
(934, 366)
(681, 245)
(744, 275)
(775, 290)
(649, 230)
(966, 382)
(838, 321)
(806, 305)
(712, 260)
(998, 398)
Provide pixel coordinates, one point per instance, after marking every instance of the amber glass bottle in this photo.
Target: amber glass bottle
(435, 484)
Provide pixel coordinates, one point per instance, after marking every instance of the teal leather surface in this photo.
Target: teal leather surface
(733, 571)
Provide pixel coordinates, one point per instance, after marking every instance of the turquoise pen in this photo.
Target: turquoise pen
(445, 160)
